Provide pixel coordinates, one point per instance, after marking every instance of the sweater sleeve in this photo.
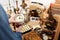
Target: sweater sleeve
(5, 31)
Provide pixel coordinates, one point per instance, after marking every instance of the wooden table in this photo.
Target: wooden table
(31, 36)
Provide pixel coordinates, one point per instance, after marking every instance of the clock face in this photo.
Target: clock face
(19, 18)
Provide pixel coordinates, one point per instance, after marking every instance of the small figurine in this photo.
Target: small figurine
(23, 4)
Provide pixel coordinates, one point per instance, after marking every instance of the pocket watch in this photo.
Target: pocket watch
(19, 18)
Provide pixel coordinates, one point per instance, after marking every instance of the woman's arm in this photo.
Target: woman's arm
(5, 31)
